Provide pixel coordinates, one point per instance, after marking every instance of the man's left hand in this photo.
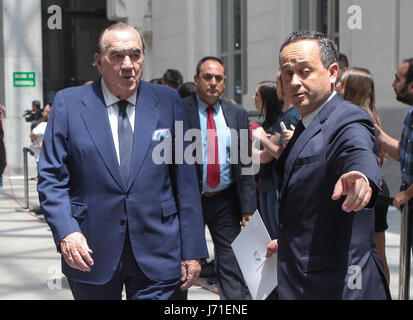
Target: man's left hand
(357, 190)
(190, 271)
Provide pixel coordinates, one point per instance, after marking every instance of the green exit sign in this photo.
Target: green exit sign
(24, 79)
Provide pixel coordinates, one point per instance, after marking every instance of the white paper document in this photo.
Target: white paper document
(250, 248)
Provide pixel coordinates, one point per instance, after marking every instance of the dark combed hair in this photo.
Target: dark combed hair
(409, 73)
(37, 104)
(328, 49)
(187, 89)
(201, 62)
(173, 77)
(272, 107)
(342, 61)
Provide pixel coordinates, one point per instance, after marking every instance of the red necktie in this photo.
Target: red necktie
(213, 167)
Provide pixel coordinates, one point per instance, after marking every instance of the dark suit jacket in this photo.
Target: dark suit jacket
(237, 119)
(81, 187)
(324, 252)
(2, 149)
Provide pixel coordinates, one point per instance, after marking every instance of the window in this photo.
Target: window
(319, 15)
(232, 46)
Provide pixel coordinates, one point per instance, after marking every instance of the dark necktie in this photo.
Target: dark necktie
(284, 155)
(125, 136)
(213, 167)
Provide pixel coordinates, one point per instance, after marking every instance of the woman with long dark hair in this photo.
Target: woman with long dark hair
(357, 86)
(266, 101)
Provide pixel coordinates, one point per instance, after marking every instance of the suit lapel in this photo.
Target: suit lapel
(194, 123)
(95, 117)
(305, 137)
(146, 122)
(228, 115)
(299, 145)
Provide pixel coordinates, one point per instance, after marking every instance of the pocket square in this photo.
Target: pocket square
(160, 134)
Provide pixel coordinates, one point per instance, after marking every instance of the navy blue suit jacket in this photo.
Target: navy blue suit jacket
(324, 252)
(81, 187)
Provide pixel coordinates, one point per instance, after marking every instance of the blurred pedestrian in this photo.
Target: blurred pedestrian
(187, 89)
(37, 114)
(343, 66)
(156, 81)
(270, 108)
(172, 78)
(357, 86)
(274, 144)
(2, 147)
(36, 135)
(402, 150)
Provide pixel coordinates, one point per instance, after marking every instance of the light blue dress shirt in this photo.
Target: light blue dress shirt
(224, 146)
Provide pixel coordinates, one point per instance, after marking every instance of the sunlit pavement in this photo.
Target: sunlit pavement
(30, 265)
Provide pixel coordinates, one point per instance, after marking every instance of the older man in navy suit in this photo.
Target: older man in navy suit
(117, 217)
(330, 179)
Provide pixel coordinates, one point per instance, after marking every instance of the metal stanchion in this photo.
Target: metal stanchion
(26, 177)
(405, 245)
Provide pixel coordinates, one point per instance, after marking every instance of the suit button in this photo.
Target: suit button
(282, 226)
(122, 222)
(128, 196)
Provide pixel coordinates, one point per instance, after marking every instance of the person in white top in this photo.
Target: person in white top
(36, 135)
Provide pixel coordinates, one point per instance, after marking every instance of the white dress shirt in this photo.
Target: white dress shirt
(113, 111)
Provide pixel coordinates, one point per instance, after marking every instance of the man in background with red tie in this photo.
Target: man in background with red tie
(228, 194)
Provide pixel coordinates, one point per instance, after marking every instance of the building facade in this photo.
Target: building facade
(246, 34)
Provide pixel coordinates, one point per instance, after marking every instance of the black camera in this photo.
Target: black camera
(35, 114)
(32, 115)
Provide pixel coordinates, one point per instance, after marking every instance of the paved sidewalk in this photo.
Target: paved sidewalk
(30, 265)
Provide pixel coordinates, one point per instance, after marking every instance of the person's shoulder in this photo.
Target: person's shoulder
(190, 101)
(236, 109)
(292, 113)
(345, 113)
(408, 117)
(347, 108)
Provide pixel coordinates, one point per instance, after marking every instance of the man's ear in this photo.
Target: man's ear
(410, 88)
(333, 70)
(97, 63)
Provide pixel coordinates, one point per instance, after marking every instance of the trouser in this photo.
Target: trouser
(222, 219)
(137, 285)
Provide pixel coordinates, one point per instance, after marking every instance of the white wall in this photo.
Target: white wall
(383, 42)
(22, 52)
(269, 23)
(372, 47)
(183, 31)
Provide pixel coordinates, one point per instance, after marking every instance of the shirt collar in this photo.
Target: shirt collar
(111, 99)
(203, 106)
(309, 118)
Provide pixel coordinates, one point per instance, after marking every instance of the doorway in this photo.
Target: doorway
(68, 53)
